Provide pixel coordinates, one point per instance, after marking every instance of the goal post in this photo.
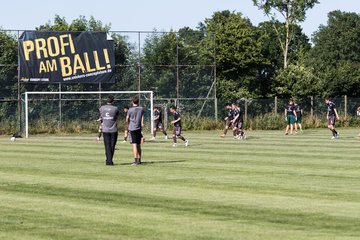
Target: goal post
(94, 102)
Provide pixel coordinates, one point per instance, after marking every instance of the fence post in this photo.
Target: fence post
(60, 110)
(276, 106)
(345, 107)
(246, 109)
(312, 107)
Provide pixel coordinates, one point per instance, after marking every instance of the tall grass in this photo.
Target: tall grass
(261, 122)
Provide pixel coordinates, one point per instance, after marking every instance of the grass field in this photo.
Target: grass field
(269, 186)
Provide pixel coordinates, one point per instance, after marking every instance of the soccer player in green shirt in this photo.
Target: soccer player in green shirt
(290, 117)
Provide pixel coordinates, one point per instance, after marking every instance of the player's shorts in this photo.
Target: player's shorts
(177, 131)
(158, 124)
(290, 119)
(298, 119)
(331, 120)
(135, 136)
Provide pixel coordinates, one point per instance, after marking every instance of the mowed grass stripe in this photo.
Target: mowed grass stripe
(215, 189)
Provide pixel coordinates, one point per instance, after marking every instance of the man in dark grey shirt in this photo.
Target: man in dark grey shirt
(109, 114)
(135, 119)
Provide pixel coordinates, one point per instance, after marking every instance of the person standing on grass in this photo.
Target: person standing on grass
(177, 127)
(299, 112)
(158, 123)
(290, 117)
(331, 116)
(229, 117)
(126, 130)
(109, 114)
(135, 120)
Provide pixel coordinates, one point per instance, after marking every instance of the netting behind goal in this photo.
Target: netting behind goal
(48, 112)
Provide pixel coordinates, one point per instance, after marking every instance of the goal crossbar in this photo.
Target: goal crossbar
(85, 92)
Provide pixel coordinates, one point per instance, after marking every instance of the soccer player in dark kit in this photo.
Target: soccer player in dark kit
(109, 114)
(238, 123)
(290, 117)
(299, 112)
(331, 116)
(158, 123)
(177, 127)
(229, 117)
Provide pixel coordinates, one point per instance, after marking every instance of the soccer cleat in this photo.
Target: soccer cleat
(152, 139)
(97, 139)
(333, 137)
(124, 141)
(166, 137)
(134, 164)
(337, 135)
(222, 136)
(174, 145)
(286, 133)
(186, 143)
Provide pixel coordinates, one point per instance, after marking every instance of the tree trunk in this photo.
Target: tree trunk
(287, 39)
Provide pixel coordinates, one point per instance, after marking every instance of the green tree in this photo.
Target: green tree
(298, 46)
(238, 54)
(292, 11)
(335, 56)
(8, 76)
(296, 81)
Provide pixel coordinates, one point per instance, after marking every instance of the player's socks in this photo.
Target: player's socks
(174, 139)
(182, 138)
(225, 131)
(333, 132)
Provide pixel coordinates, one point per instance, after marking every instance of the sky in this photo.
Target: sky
(147, 15)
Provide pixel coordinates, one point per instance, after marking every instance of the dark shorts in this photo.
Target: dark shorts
(135, 136)
(298, 119)
(158, 125)
(331, 120)
(177, 131)
(290, 119)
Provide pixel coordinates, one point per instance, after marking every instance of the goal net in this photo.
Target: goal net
(46, 112)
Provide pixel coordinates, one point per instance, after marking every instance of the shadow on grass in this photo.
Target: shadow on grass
(153, 162)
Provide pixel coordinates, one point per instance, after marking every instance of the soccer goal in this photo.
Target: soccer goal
(49, 109)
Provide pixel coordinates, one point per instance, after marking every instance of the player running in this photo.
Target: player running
(331, 116)
(177, 127)
(299, 112)
(158, 123)
(290, 117)
(238, 123)
(228, 119)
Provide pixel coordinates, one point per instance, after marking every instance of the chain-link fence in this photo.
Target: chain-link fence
(178, 67)
(167, 63)
(313, 107)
